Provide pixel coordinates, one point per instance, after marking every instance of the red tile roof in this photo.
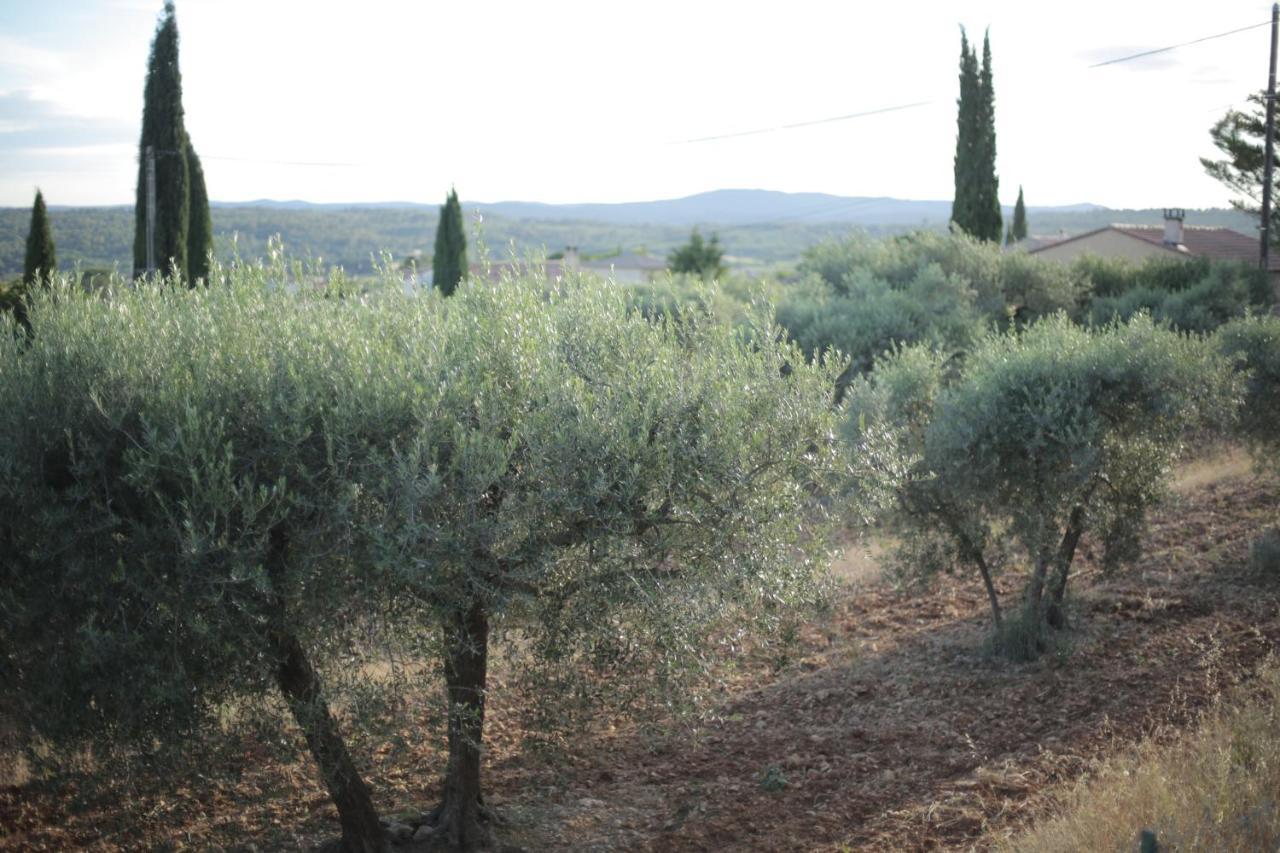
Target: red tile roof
(1199, 241)
(1219, 244)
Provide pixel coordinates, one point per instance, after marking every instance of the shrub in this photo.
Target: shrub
(1125, 306)
(1196, 295)
(871, 318)
(1221, 295)
(1254, 345)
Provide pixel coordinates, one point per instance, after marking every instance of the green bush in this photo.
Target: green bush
(1006, 286)
(862, 298)
(1196, 295)
(871, 318)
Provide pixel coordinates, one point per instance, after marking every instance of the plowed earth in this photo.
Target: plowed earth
(891, 730)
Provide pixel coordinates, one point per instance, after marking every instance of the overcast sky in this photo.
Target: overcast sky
(595, 101)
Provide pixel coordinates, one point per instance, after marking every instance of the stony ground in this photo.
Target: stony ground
(890, 730)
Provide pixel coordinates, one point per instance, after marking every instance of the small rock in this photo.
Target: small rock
(589, 803)
(399, 831)
(424, 832)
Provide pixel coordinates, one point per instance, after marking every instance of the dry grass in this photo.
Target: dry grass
(1214, 789)
(1224, 463)
(860, 563)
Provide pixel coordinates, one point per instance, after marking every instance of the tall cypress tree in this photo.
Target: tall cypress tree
(1018, 231)
(976, 207)
(40, 261)
(200, 227)
(164, 131)
(449, 263)
(990, 221)
(963, 214)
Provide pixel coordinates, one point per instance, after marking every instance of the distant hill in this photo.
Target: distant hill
(758, 227)
(743, 207)
(718, 207)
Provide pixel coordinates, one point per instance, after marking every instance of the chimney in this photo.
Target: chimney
(1173, 217)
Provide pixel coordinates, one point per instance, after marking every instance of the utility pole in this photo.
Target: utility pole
(151, 200)
(1270, 148)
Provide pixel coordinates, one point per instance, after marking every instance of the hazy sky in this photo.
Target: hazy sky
(593, 101)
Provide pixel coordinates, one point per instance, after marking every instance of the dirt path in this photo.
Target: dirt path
(891, 731)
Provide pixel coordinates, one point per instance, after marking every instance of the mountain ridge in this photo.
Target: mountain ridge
(714, 207)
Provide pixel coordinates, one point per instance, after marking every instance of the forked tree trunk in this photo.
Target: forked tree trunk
(361, 830)
(462, 821)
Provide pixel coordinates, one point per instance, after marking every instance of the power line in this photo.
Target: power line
(915, 104)
(276, 162)
(1176, 46)
(803, 123)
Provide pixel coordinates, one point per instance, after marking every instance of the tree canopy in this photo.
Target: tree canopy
(1241, 137)
(211, 493)
(698, 257)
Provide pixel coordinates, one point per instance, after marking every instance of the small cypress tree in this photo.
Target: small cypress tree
(449, 263)
(200, 228)
(163, 130)
(40, 261)
(1018, 231)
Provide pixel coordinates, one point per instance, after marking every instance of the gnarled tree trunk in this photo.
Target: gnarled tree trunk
(361, 830)
(461, 820)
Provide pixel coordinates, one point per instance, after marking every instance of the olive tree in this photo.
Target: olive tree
(178, 477)
(209, 494)
(592, 480)
(1041, 437)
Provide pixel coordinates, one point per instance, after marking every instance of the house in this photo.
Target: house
(1172, 241)
(628, 267)
(623, 268)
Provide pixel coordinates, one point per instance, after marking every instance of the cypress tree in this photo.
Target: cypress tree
(990, 220)
(449, 263)
(962, 207)
(40, 260)
(164, 131)
(200, 227)
(1018, 231)
(976, 207)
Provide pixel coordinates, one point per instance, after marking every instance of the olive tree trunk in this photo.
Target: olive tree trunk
(462, 821)
(362, 832)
